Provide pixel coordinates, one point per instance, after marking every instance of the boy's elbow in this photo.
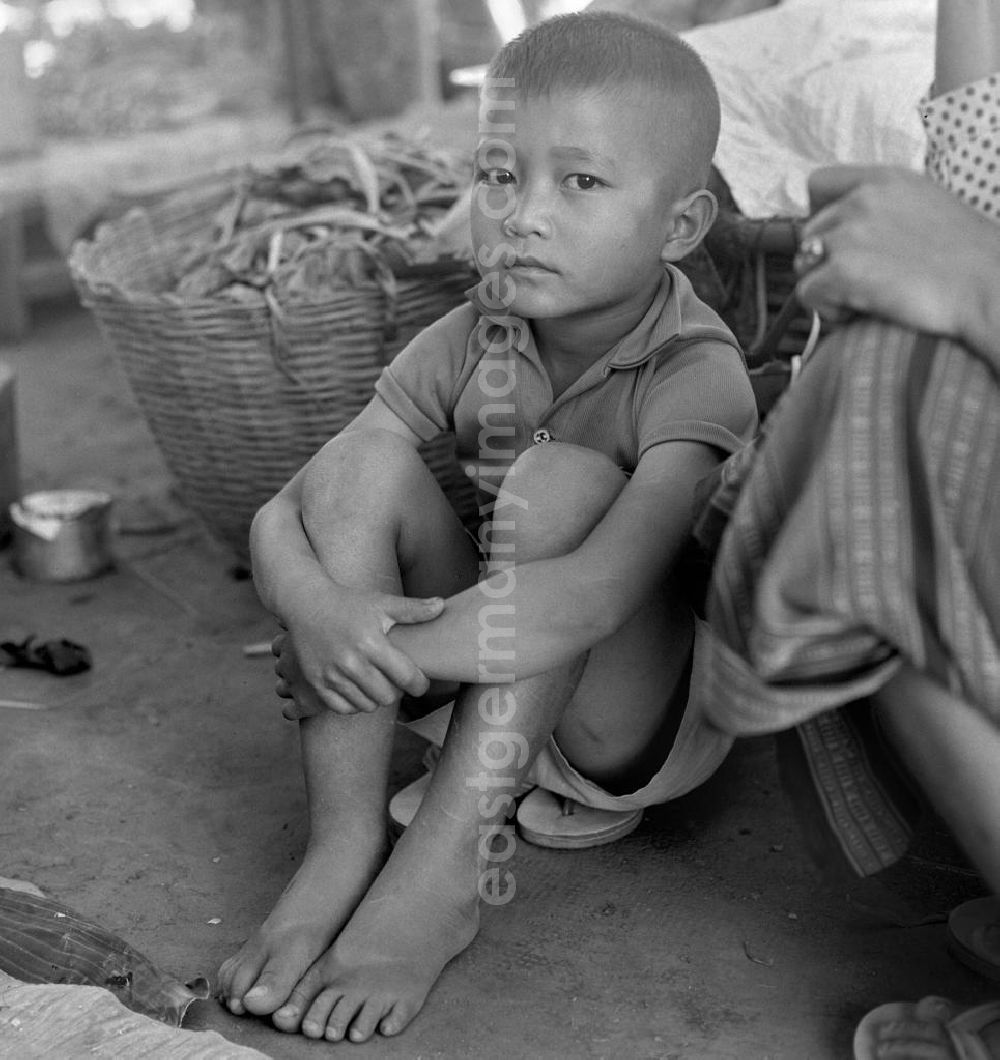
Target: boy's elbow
(266, 522)
(262, 517)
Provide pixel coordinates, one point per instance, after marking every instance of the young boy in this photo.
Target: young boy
(590, 390)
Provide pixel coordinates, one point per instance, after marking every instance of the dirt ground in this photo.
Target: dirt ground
(161, 795)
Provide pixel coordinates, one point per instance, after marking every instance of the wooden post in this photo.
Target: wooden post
(292, 28)
(18, 115)
(429, 50)
(13, 306)
(10, 487)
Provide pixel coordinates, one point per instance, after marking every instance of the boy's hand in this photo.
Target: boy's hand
(301, 700)
(337, 656)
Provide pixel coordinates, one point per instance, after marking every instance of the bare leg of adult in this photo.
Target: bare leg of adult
(423, 908)
(377, 519)
(953, 751)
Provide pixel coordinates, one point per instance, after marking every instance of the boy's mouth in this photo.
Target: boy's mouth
(530, 264)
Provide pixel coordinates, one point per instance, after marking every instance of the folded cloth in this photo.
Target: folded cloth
(863, 536)
(86, 1022)
(813, 83)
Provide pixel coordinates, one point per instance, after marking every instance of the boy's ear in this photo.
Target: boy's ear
(690, 219)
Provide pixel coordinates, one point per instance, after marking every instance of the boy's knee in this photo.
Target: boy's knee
(373, 465)
(555, 494)
(568, 470)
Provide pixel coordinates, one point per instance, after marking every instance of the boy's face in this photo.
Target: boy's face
(572, 203)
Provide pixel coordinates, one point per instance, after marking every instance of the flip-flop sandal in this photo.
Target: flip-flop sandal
(404, 804)
(974, 935)
(963, 1029)
(550, 820)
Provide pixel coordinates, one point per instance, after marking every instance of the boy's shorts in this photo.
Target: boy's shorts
(697, 752)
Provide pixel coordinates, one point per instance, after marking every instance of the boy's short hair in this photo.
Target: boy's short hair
(606, 50)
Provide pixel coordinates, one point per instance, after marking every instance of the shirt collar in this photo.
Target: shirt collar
(661, 322)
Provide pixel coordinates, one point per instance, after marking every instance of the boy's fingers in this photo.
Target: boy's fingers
(409, 610)
(328, 701)
(296, 709)
(405, 676)
(367, 686)
(355, 682)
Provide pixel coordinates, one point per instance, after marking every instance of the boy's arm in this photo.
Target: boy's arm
(565, 605)
(296, 589)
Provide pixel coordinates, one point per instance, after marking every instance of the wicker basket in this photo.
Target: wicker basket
(239, 396)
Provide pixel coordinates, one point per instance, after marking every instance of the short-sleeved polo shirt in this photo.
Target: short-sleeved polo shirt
(678, 376)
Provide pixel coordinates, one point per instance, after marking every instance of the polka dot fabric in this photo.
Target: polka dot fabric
(963, 142)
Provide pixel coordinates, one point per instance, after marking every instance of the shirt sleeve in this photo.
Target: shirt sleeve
(420, 383)
(701, 393)
(963, 142)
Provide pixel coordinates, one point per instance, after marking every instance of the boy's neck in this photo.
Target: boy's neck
(567, 347)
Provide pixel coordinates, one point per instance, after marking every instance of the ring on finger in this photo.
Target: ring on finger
(811, 252)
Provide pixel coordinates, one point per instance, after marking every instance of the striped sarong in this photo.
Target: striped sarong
(866, 532)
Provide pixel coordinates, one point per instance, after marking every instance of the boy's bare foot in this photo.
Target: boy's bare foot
(421, 911)
(314, 906)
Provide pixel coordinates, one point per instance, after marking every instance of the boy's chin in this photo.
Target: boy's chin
(536, 306)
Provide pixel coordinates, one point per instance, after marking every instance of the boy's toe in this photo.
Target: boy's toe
(288, 1018)
(295, 1001)
(367, 1019)
(314, 1023)
(267, 994)
(397, 1020)
(340, 1018)
(236, 977)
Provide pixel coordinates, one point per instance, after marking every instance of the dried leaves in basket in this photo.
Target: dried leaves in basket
(331, 211)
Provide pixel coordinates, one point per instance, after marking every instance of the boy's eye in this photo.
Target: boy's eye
(582, 181)
(495, 176)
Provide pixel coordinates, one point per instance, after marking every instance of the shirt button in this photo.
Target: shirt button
(541, 435)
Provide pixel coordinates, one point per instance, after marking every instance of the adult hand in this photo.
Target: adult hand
(336, 654)
(898, 246)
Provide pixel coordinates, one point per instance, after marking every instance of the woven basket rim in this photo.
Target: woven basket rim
(208, 197)
(100, 288)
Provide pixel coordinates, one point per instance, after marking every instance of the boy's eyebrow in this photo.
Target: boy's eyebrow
(582, 154)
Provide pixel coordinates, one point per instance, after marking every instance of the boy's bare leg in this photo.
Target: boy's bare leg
(423, 908)
(377, 519)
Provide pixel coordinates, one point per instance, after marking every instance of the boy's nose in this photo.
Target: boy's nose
(530, 216)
